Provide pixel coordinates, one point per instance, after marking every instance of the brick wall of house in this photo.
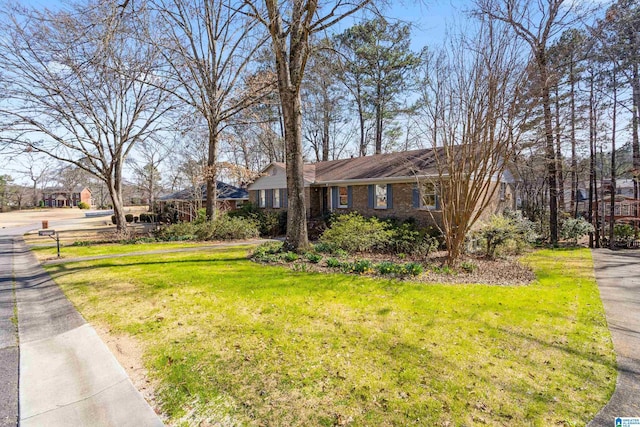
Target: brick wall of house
(85, 196)
(402, 205)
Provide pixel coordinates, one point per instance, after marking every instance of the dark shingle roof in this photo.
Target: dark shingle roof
(225, 192)
(391, 165)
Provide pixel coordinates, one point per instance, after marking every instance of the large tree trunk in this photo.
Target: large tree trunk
(549, 152)
(559, 162)
(296, 210)
(612, 201)
(326, 122)
(635, 84)
(115, 191)
(211, 173)
(574, 160)
(379, 113)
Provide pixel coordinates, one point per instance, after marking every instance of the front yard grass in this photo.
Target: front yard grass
(46, 252)
(231, 342)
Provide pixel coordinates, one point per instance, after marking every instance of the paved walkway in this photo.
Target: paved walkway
(62, 374)
(618, 276)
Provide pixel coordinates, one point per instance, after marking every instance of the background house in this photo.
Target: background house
(59, 197)
(401, 185)
(187, 202)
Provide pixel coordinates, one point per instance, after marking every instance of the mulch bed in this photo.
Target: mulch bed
(500, 271)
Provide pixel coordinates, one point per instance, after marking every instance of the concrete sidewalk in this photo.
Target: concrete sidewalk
(67, 375)
(618, 277)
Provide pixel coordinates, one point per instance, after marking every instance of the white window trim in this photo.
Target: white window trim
(346, 205)
(262, 198)
(375, 195)
(422, 195)
(502, 191)
(276, 198)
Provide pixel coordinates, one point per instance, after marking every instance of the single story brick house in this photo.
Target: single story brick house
(401, 185)
(59, 197)
(187, 202)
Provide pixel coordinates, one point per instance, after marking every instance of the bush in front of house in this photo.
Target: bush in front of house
(129, 218)
(509, 232)
(407, 238)
(148, 217)
(573, 229)
(623, 233)
(223, 227)
(270, 223)
(83, 205)
(354, 233)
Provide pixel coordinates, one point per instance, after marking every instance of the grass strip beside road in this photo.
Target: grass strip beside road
(46, 252)
(233, 342)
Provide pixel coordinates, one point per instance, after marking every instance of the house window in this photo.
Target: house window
(343, 197)
(262, 199)
(428, 195)
(381, 196)
(617, 210)
(276, 198)
(503, 191)
(625, 210)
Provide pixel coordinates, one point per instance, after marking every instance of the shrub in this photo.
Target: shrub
(223, 227)
(129, 218)
(83, 205)
(148, 217)
(270, 224)
(323, 247)
(574, 228)
(113, 219)
(623, 232)
(408, 239)
(510, 229)
(354, 233)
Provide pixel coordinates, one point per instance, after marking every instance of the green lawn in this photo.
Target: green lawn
(49, 251)
(236, 343)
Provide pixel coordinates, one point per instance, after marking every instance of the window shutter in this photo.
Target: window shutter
(256, 197)
(349, 196)
(334, 198)
(372, 196)
(283, 197)
(269, 196)
(416, 197)
(389, 196)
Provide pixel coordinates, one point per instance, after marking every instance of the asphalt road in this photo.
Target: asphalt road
(9, 351)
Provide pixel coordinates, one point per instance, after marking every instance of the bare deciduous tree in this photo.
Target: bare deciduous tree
(81, 87)
(291, 24)
(537, 23)
(471, 115)
(210, 46)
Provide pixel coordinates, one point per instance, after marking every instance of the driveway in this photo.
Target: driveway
(618, 276)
